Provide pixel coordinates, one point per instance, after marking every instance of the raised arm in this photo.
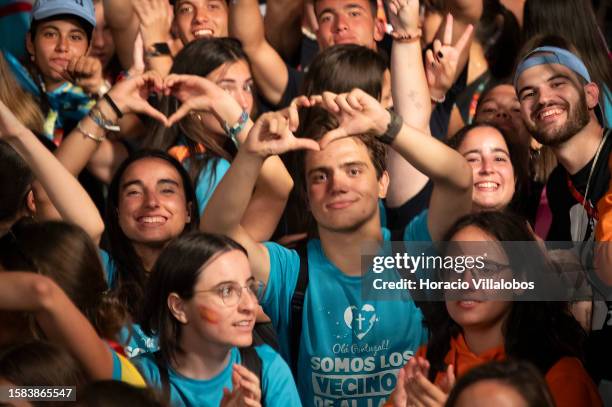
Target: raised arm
(274, 182)
(155, 21)
(359, 113)
(123, 23)
(410, 96)
(412, 85)
(283, 26)
(59, 319)
(270, 135)
(269, 70)
(67, 195)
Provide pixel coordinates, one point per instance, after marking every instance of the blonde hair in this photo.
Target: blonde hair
(20, 102)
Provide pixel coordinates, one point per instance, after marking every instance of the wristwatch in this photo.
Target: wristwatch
(158, 49)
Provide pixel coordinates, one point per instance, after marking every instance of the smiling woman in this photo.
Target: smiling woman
(469, 332)
(201, 302)
(150, 202)
(496, 172)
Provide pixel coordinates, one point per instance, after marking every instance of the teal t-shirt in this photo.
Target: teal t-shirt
(131, 337)
(607, 109)
(277, 385)
(209, 177)
(351, 349)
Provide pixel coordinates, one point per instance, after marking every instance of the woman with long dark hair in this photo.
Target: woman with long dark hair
(210, 101)
(201, 302)
(467, 332)
(52, 287)
(150, 202)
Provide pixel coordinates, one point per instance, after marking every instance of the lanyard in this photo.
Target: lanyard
(588, 206)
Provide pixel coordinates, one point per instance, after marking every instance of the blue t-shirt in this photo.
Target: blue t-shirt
(131, 337)
(209, 177)
(277, 385)
(351, 349)
(607, 109)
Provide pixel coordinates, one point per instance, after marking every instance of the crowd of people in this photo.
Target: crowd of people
(188, 187)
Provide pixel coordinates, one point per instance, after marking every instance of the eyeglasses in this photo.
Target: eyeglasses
(489, 269)
(230, 293)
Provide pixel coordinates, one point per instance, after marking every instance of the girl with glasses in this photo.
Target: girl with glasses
(201, 301)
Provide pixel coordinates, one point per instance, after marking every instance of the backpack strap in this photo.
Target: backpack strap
(397, 235)
(251, 360)
(297, 307)
(164, 377)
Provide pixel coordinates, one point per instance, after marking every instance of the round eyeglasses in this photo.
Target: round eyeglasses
(230, 293)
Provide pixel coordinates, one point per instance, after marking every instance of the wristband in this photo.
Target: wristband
(233, 131)
(158, 49)
(98, 118)
(113, 106)
(393, 128)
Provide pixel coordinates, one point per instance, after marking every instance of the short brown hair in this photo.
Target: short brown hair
(342, 68)
(318, 122)
(373, 7)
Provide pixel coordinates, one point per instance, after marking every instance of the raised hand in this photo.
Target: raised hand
(131, 94)
(246, 389)
(404, 17)
(401, 394)
(357, 113)
(441, 62)
(249, 383)
(155, 20)
(138, 64)
(86, 72)
(271, 135)
(291, 112)
(422, 392)
(199, 94)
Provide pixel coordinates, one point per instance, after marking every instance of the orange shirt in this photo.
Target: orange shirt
(568, 381)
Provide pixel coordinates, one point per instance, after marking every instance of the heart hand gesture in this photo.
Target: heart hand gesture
(271, 135)
(356, 112)
(199, 94)
(131, 94)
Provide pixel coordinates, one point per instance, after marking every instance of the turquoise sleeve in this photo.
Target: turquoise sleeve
(284, 270)
(277, 384)
(108, 265)
(417, 230)
(208, 179)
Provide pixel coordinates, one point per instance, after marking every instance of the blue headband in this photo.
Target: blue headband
(552, 55)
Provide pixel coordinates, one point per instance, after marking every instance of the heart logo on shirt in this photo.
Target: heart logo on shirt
(361, 320)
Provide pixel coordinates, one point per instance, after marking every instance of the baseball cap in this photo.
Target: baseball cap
(83, 9)
(555, 55)
(552, 55)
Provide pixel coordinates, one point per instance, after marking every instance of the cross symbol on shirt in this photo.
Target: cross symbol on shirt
(360, 319)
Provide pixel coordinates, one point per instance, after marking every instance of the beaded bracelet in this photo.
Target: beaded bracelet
(436, 100)
(233, 131)
(406, 38)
